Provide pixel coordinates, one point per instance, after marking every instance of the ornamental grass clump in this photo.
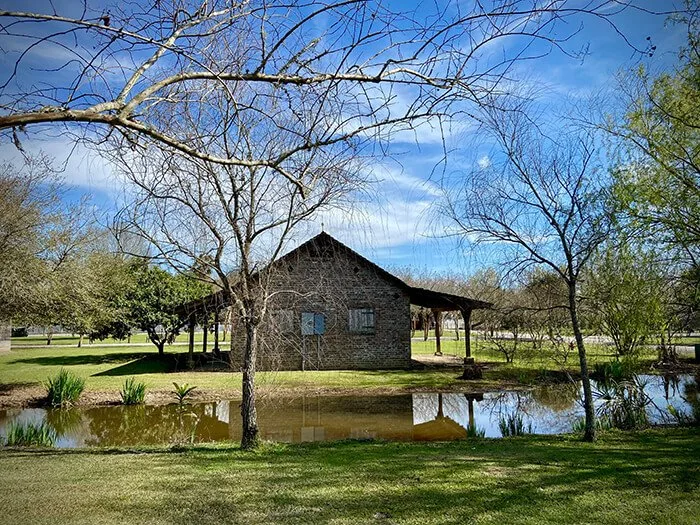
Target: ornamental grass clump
(64, 389)
(133, 392)
(30, 435)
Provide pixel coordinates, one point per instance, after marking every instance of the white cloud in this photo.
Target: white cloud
(81, 167)
(484, 162)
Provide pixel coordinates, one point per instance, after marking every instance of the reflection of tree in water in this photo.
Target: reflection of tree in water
(65, 421)
(671, 384)
(440, 427)
(550, 408)
(557, 398)
(691, 395)
(139, 424)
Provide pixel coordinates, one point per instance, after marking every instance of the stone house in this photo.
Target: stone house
(332, 309)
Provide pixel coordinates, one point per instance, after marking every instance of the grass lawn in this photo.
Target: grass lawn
(647, 477)
(106, 367)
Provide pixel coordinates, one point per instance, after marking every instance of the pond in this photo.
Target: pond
(411, 417)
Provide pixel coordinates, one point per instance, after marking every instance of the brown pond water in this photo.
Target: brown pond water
(411, 417)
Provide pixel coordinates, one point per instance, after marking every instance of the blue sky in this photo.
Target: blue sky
(394, 227)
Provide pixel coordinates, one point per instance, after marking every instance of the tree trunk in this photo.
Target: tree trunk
(160, 345)
(249, 414)
(589, 433)
(80, 341)
(49, 336)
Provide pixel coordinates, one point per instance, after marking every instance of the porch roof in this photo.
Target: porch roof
(443, 301)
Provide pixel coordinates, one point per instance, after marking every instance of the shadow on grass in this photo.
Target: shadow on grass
(624, 478)
(169, 363)
(83, 359)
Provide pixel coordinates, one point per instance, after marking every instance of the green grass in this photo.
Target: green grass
(648, 477)
(106, 367)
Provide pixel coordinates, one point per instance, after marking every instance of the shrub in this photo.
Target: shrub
(64, 389)
(20, 331)
(513, 425)
(133, 392)
(30, 435)
(182, 392)
(685, 419)
(618, 370)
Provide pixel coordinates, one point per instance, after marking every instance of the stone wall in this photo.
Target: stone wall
(330, 280)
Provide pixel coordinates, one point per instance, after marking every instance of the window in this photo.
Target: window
(283, 320)
(313, 323)
(361, 320)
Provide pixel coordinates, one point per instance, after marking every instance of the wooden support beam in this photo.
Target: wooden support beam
(216, 331)
(191, 342)
(204, 338)
(467, 316)
(438, 317)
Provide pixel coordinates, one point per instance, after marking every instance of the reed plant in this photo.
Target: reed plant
(64, 389)
(133, 392)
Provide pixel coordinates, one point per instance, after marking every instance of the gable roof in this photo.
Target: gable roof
(324, 243)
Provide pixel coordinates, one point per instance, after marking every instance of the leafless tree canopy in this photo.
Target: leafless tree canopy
(325, 73)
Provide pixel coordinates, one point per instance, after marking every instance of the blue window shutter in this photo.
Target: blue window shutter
(319, 324)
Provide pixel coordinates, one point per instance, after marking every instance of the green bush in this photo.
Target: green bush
(618, 370)
(513, 425)
(133, 392)
(30, 435)
(20, 331)
(64, 389)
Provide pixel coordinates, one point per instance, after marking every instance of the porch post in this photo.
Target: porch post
(467, 316)
(438, 317)
(190, 357)
(216, 331)
(204, 337)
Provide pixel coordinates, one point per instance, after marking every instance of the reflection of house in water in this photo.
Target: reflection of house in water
(318, 418)
(444, 428)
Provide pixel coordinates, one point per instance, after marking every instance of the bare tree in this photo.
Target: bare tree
(219, 102)
(229, 222)
(367, 69)
(540, 199)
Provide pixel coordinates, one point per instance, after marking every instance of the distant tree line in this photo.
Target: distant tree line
(61, 268)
